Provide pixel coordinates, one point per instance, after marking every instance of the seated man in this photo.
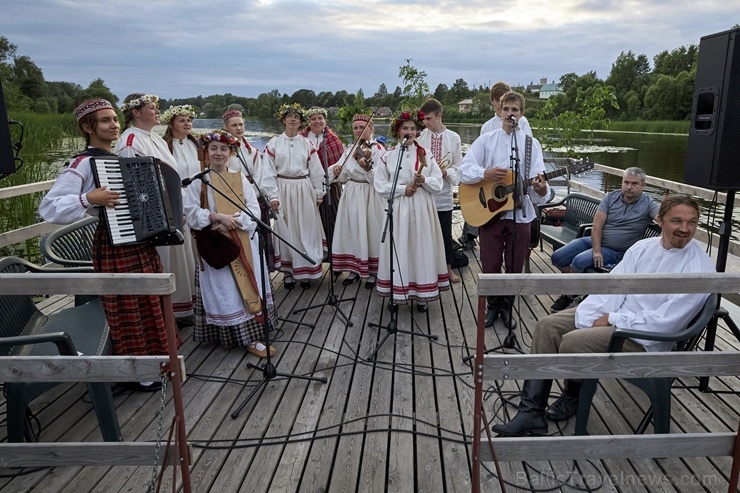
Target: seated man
(589, 327)
(621, 219)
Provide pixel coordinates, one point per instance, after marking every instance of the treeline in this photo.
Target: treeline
(637, 91)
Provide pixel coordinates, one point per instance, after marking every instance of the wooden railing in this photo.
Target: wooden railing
(97, 369)
(603, 365)
(33, 230)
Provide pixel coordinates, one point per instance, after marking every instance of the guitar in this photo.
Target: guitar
(487, 199)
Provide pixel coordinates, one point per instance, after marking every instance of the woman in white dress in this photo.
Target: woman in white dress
(141, 115)
(229, 299)
(293, 179)
(420, 269)
(361, 211)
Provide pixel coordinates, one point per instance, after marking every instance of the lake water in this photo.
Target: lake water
(660, 155)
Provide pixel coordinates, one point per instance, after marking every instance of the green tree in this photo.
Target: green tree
(98, 89)
(629, 73)
(382, 91)
(415, 87)
(459, 90)
(669, 97)
(674, 62)
(306, 97)
(29, 78)
(441, 93)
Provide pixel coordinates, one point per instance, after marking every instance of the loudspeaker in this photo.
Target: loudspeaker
(713, 153)
(7, 163)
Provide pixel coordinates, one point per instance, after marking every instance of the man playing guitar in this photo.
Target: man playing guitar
(504, 239)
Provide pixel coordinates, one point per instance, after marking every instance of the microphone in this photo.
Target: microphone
(405, 139)
(513, 120)
(196, 176)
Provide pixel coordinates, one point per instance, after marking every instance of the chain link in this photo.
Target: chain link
(160, 433)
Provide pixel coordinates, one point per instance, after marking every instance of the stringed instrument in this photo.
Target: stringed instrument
(487, 199)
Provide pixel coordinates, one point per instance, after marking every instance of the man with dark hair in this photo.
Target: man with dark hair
(444, 144)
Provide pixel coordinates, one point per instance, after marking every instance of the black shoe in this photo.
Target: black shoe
(350, 279)
(566, 405)
(370, 284)
(507, 319)
(561, 303)
(289, 284)
(491, 316)
(305, 284)
(421, 306)
(187, 321)
(524, 423)
(393, 308)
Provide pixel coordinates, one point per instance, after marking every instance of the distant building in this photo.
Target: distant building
(465, 105)
(383, 112)
(535, 88)
(549, 90)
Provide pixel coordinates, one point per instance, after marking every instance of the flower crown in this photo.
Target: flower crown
(286, 109)
(140, 101)
(416, 116)
(218, 136)
(173, 111)
(315, 111)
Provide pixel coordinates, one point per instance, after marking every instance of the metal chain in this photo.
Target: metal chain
(160, 433)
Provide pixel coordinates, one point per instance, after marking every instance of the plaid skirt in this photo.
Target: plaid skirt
(136, 322)
(242, 334)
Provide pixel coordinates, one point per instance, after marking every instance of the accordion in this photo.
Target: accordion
(149, 208)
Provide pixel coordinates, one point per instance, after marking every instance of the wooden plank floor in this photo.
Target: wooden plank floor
(401, 423)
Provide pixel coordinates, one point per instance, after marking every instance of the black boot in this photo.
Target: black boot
(493, 306)
(531, 415)
(567, 404)
(507, 309)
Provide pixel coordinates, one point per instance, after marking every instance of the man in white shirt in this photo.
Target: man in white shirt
(589, 327)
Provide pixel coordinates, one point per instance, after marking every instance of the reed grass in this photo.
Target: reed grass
(642, 126)
(48, 141)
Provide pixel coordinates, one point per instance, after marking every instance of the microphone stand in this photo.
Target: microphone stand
(268, 370)
(392, 327)
(331, 298)
(266, 217)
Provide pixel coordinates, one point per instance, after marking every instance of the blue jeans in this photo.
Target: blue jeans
(578, 255)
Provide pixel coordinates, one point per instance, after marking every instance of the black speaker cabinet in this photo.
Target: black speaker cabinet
(713, 153)
(7, 164)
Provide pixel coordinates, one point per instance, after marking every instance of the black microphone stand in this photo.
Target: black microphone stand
(268, 370)
(331, 298)
(392, 327)
(270, 214)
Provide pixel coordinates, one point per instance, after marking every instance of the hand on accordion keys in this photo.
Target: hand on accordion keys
(103, 197)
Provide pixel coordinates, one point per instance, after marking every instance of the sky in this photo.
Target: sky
(184, 48)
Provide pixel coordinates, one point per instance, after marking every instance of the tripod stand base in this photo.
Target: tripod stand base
(510, 342)
(268, 373)
(332, 301)
(391, 329)
(287, 320)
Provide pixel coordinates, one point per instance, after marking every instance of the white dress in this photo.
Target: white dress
(419, 260)
(360, 217)
(219, 300)
(176, 259)
(292, 174)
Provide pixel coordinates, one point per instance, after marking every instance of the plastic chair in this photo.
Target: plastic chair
(71, 245)
(658, 390)
(25, 331)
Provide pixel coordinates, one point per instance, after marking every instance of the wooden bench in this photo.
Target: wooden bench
(603, 365)
(579, 215)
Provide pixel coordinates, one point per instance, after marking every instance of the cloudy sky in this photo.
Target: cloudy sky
(181, 48)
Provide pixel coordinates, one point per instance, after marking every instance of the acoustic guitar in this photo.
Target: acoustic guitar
(487, 199)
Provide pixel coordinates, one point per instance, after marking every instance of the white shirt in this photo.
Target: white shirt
(448, 155)
(494, 150)
(661, 313)
(145, 143)
(291, 157)
(185, 152)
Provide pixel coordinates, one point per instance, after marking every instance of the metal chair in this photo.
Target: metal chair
(71, 245)
(25, 331)
(658, 390)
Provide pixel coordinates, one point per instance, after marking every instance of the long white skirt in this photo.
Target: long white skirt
(419, 260)
(360, 218)
(299, 223)
(180, 260)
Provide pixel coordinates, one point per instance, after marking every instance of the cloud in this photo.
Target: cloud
(181, 48)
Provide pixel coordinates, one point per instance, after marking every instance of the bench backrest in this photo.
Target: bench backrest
(72, 244)
(16, 311)
(579, 209)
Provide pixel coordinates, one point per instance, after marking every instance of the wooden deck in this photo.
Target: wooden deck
(402, 423)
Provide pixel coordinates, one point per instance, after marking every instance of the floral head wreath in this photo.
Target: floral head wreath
(416, 116)
(218, 136)
(315, 111)
(140, 101)
(173, 111)
(287, 109)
